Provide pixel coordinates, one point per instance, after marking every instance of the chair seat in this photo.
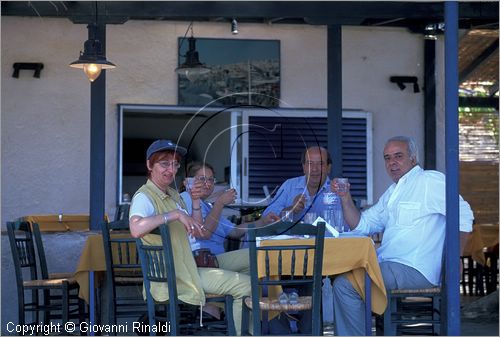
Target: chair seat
(265, 303)
(434, 290)
(129, 272)
(49, 283)
(128, 280)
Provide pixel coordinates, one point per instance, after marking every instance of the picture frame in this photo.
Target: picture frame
(242, 72)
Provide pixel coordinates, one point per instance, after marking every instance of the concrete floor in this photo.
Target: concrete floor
(479, 315)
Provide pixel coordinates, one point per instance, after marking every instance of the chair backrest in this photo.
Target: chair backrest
(120, 252)
(122, 212)
(287, 265)
(158, 266)
(23, 250)
(42, 261)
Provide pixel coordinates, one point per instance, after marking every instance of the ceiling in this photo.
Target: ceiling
(478, 48)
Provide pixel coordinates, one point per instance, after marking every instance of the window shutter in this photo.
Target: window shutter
(276, 143)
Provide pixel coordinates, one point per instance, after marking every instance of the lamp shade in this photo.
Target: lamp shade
(192, 68)
(91, 60)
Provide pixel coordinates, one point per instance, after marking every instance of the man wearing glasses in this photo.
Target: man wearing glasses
(301, 195)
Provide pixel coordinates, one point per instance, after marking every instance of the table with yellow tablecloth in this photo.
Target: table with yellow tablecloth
(56, 223)
(355, 256)
(483, 236)
(91, 268)
(60, 222)
(92, 259)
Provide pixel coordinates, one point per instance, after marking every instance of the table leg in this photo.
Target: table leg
(91, 300)
(368, 305)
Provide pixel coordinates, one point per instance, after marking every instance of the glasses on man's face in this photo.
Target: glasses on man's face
(170, 164)
(314, 163)
(206, 180)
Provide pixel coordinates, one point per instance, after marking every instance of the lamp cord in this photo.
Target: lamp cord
(184, 37)
(96, 17)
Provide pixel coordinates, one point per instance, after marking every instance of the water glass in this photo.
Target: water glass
(286, 216)
(328, 216)
(189, 183)
(283, 298)
(310, 217)
(339, 221)
(342, 184)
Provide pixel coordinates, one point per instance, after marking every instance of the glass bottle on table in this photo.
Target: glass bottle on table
(333, 210)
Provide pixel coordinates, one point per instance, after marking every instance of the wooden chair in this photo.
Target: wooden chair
(123, 272)
(285, 266)
(122, 212)
(158, 265)
(60, 295)
(414, 311)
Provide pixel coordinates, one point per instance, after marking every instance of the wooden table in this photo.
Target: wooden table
(355, 256)
(54, 223)
(483, 236)
(91, 268)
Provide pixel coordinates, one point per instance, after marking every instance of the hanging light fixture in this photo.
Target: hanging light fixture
(192, 68)
(91, 60)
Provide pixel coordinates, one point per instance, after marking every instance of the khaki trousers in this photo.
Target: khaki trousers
(231, 278)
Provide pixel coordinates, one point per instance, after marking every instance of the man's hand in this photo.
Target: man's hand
(227, 197)
(299, 203)
(334, 187)
(267, 219)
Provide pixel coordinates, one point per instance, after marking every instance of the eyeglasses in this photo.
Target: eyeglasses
(206, 180)
(169, 164)
(314, 163)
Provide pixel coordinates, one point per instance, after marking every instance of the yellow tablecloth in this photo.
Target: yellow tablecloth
(92, 259)
(482, 236)
(69, 222)
(354, 256)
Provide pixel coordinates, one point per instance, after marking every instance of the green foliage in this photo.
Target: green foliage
(486, 117)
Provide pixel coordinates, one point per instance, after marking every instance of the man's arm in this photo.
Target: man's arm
(279, 202)
(351, 212)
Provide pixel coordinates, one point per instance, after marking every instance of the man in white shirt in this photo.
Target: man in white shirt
(412, 215)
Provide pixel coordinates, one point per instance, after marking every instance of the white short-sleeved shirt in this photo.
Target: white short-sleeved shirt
(142, 206)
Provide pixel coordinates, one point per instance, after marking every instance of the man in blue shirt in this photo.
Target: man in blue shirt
(304, 194)
(301, 195)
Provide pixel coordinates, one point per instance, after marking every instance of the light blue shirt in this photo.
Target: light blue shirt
(216, 242)
(412, 216)
(290, 189)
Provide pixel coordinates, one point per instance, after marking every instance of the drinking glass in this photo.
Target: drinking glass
(286, 216)
(310, 217)
(339, 221)
(342, 184)
(189, 183)
(328, 216)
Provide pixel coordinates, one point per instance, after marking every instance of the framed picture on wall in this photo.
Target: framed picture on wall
(242, 72)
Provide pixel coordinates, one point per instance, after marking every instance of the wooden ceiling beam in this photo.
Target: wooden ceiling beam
(316, 12)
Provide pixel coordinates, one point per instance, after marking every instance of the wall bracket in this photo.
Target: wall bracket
(18, 66)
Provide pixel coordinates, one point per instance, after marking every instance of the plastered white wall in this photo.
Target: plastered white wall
(45, 135)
